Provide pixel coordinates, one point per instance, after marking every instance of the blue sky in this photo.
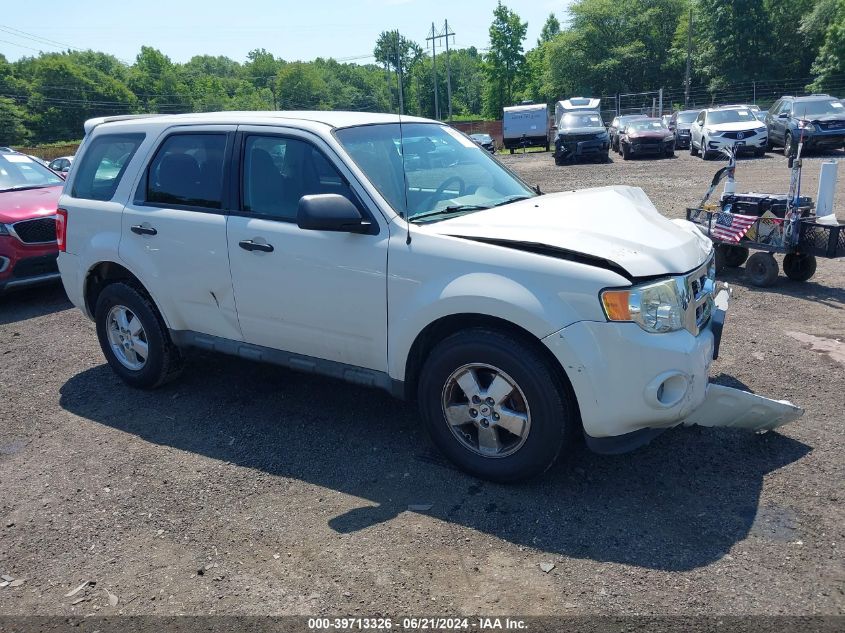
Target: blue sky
(290, 30)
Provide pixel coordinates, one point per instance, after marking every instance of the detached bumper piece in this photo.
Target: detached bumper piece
(728, 407)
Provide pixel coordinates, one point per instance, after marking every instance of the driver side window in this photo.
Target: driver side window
(278, 171)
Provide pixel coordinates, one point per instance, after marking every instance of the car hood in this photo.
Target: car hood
(617, 224)
(737, 126)
(581, 130)
(29, 203)
(824, 117)
(683, 126)
(658, 134)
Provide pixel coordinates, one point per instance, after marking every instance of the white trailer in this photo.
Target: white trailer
(576, 103)
(526, 126)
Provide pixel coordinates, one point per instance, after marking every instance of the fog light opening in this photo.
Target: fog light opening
(672, 390)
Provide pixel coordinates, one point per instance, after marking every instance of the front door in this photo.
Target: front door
(316, 293)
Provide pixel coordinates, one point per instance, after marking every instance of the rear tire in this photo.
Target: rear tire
(733, 256)
(161, 360)
(799, 267)
(476, 362)
(761, 270)
(511, 150)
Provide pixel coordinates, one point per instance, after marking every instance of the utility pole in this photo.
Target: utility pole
(660, 105)
(434, 37)
(399, 74)
(446, 33)
(689, 59)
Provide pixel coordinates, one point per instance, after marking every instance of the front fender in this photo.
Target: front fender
(487, 294)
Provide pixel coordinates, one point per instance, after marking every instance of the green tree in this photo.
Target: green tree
(504, 61)
(550, 30)
(261, 70)
(830, 61)
(300, 86)
(13, 130)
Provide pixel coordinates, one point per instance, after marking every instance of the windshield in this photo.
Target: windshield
(688, 116)
(640, 126)
(815, 108)
(442, 171)
(581, 119)
(730, 116)
(18, 171)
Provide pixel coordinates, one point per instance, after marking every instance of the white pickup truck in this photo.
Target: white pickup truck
(399, 254)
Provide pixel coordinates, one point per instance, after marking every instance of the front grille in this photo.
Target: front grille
(35, 266)
(37, 231)
(699, 296)
(832, 125)
(736, 135)
(576, 138)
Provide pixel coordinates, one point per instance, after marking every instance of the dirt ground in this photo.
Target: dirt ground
(249, 489)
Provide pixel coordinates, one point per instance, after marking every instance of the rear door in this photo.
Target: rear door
(174, 230)
(313, 293)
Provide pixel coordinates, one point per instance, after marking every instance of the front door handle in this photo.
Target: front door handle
(140, 229)
(249, 245)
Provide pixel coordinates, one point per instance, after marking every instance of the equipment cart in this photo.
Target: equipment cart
(770, 235)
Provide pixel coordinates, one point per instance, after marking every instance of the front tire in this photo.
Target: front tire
(626, 152)
(134, 339)
(761, 270)
(494, 405)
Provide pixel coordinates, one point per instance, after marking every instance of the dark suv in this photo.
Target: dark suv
(819, 118)
(680, 123)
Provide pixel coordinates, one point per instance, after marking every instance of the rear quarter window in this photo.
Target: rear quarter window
(103, 164)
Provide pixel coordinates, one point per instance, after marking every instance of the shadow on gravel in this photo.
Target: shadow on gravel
(832, 297)
(29, 303)
(678, 504)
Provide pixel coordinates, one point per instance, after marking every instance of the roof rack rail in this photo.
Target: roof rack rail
(819, 94)
(90, 124)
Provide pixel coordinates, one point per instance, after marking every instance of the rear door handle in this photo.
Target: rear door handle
(140, 229)
(249, 245)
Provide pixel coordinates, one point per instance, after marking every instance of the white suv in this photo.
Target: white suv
(730, 126)
(398, 254)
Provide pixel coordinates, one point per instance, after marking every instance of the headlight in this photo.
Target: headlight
(668, 138)
(803, 124)
(3, 229)
(655, 307)
(711, 132)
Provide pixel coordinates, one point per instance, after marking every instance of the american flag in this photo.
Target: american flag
(730, 227)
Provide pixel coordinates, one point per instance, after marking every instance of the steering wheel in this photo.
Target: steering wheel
(441, 189)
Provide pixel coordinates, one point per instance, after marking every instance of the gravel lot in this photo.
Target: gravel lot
(250, 489)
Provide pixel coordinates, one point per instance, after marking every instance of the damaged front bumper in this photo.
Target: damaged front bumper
(632, 385)
(566, 149)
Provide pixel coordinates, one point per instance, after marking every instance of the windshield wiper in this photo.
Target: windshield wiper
(510, 199)
(455, 208)
(23, 188)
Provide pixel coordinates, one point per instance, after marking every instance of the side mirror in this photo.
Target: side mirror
(783, 115)
(330, 212)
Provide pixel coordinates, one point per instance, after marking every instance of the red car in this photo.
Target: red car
(29, 193)
(645, 137)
